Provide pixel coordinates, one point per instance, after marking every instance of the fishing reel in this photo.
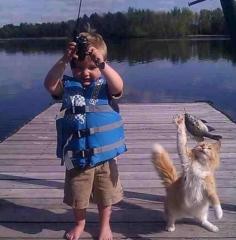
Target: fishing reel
(82, 47)
(81, 50)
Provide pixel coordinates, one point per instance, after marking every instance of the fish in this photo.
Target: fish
(198, 128)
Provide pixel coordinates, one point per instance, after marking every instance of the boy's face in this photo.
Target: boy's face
(86, 71)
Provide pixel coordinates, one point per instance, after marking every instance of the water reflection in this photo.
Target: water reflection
(153, 71)
(176, 51)
(137, 50)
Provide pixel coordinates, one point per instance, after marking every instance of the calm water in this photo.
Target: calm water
(153, 71)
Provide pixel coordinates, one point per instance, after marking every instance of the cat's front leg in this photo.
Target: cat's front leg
(179, 121)
(182, 140)
(216, 205)
(218, 211)
(213, 196)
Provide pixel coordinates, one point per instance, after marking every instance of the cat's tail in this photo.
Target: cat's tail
(164, 165)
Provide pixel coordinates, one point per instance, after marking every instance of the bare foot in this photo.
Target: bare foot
(105, 233)
(74, 233)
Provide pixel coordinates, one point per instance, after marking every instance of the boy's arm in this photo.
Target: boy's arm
(114, 80)
(53, 81)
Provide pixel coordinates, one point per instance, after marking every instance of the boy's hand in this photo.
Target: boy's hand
(70, 52)
(95, 55)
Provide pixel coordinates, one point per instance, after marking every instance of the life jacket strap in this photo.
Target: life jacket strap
(89, 131)
(87, 153)
(98, 108)
(64, 150)
(109, 147)
(89, 108)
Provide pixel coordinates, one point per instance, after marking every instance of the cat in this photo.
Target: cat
(190, 194)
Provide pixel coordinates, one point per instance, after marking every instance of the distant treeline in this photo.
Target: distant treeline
(134, 23)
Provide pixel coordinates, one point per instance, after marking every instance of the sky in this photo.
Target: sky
(38, 11)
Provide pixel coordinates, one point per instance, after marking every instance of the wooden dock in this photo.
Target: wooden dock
(31, 178)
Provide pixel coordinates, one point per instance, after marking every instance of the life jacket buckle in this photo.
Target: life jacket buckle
(76, 110)
(83, 133)
(86, 153)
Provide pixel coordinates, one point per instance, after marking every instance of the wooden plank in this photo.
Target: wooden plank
(127, 203)
(227, 195)
(120, 231)
(122, 167)
(142, 214)
(31, 179)
(126, 175)
(131, 181)
(226, 163)
(134, 143)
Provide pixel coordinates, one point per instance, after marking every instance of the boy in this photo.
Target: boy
(92, 131)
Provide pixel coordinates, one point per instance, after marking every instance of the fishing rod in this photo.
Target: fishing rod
(81, 41)
(77, 24)
(229, 9)
(195, 2)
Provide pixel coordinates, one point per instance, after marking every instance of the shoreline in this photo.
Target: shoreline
(189, 37)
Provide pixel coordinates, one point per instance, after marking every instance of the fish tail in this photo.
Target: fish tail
(210, 129)
(215, 137)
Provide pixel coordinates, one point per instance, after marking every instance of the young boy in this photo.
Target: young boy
(92, 133)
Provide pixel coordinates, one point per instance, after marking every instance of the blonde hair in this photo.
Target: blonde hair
(96, 40)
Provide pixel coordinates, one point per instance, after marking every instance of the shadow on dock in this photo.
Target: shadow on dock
(46, 219)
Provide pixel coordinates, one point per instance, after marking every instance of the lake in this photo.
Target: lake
(154, 71)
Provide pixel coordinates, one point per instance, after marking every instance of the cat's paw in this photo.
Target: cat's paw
(178, 119)
(218, 211)
(214, 229)
(170, 228)
(209, 226)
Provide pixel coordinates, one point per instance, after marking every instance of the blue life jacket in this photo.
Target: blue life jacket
(89, 131)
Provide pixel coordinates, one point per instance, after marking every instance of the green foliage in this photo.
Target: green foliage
(134, 23)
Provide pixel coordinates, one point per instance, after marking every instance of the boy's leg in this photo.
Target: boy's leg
(77, 190)
(105, 229)
(78, 229)
(106, 192)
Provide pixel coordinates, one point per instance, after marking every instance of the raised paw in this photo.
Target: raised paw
(178, 119)
(218, 211)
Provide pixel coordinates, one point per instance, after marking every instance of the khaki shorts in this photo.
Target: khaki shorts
(101, 183)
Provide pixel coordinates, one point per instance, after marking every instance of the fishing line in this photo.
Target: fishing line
(77, 25)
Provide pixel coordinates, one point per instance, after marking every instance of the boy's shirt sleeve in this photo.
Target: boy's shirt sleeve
(114, 96)
(113, 100)
(117, 96)
(57, 98)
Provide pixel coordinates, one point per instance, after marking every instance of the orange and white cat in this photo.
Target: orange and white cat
(190, 194)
